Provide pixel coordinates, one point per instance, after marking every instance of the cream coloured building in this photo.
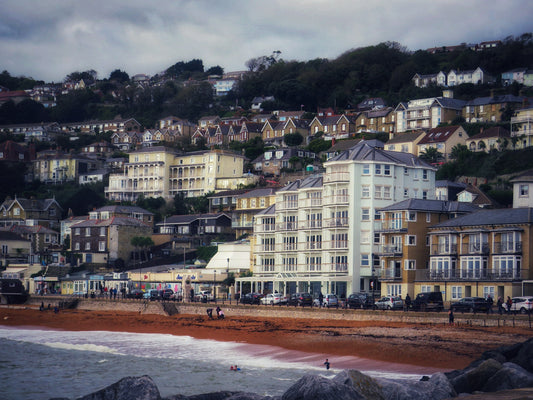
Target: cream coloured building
(161, 172)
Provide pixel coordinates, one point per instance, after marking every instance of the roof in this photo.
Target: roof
(189, 218)
(441, 134)
(507, 98)
(268, 211)
(123, 221)
(405, 137)
(8, 235)
(365, 152)
(495, 131)
(432, 206)
(480, 197)
(503, 216)
(341, 145)
(124, 209)
(258, 193)
(525, 176)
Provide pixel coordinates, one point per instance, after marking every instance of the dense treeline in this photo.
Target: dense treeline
(384, 70)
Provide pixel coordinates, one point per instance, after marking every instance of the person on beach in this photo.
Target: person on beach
(451, 316)
(320, 299)
(209, 313)
(499, 303)
(326, 363)
(407, 302)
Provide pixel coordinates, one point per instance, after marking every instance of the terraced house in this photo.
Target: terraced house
(484, 253)
(320, 234)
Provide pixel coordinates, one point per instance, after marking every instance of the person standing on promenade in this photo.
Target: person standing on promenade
(326, 363)
(320, 299)
(499, 303)
(509, 303)
(490, 302)
(451, 317)
(407, 302)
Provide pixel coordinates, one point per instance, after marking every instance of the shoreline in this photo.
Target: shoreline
(434, 347)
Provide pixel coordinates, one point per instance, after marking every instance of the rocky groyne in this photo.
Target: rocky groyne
(502, 369)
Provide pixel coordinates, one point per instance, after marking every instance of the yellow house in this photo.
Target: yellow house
(249, 204)
(443, 139)
(405, 142)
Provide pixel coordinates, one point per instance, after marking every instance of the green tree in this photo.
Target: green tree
(293, 139)
(431, 155)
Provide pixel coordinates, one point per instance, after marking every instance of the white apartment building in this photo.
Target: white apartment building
(161, 172)
(319, 236)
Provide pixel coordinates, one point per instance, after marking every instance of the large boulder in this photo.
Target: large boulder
(473, 379)
(437, 387)
(222, 395)
(510, 376)
(524, 356)
(365, 385)
(129, 388)
(313, 387)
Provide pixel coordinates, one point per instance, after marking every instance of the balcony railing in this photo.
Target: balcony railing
(507, 247)
(261, 228)
(335, 200)
(390, 250)
(470, 275)
(475, 248)
(443, 249)
(336, 177)
(390, 225)
(336, 223)
(390, 273)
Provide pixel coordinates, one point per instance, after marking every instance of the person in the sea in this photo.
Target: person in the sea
(326, 363)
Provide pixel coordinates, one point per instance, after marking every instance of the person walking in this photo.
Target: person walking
(407, 302)
(320, 299)
(499, 303)
(509, 304)
(490, 303)
(451, 317)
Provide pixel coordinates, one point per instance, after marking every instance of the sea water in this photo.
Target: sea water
(38, 364)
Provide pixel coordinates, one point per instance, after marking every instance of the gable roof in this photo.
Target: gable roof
(442, 206)
(405, 137)
(439, 135)
(495, 131)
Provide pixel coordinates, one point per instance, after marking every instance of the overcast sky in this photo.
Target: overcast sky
(48, 39)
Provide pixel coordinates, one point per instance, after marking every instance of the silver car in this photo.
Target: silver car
(389, 303)
(522, 304)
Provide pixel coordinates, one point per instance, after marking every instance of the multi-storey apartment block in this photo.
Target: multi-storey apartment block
(319, 236)
(522, 128)
(249, 204)
(484, 253)
(402, 247)
(161, 172)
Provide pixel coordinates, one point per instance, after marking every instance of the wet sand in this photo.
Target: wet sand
(435, 346)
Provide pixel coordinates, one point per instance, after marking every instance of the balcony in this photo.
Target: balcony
(336, 177)
(336, 223)
(475, 248)
(390, 250)
(391, 226)
(336, 200)
(470, 275)
(394, 273)
(507, 247)
(443, 249)
(262, 228)
(241, 224)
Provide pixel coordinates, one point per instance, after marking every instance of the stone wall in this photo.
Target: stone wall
(231, 310)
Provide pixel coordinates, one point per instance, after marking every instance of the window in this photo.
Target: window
(377, 192)
(88, 246)
(365, 237)
(424, 194)
(411, 216)
(426, 288)
(457, 292)
(365, 261)
(366, 169)
(386, 170)
(409, 264)
(411, 240)
(77, 231)
(377, 169)
(377, 238)
(87, 231)
(365, 192)
(406, 193)
(102, 231)
(488, 291)
(365, 214)
(77, 246)
(386, 192)
(425, 174)
(524, 190)
(101, 246)
(428, 217)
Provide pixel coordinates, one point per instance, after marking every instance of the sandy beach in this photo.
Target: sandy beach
(438, 346)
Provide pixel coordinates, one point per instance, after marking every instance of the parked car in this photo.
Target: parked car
(135, 294)
(360, 300)
(273, 299)
(300, 299)
(166, 294)
(522, 304)
(329, 300)
(204, 295)
(251, 298)
(389, 303)
(428, 301)
(152, 294)
(471, 304)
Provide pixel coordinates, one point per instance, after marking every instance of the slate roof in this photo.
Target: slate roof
(525, 176)
(268, 211)
(432, 206)
(405, 137)
(504, 216)
(258, 193)
(439, 135)
(495, 131)
(507, 98)
(124, 209)
(365, 152)
(123, 221)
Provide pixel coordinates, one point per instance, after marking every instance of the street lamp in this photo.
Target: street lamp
(227, 280)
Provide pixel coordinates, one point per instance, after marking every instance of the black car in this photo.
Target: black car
(166, 294)
(300, 299)
(471, 304)
(360, 300)
(428, 301)
(135, 294)
(251, 298)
